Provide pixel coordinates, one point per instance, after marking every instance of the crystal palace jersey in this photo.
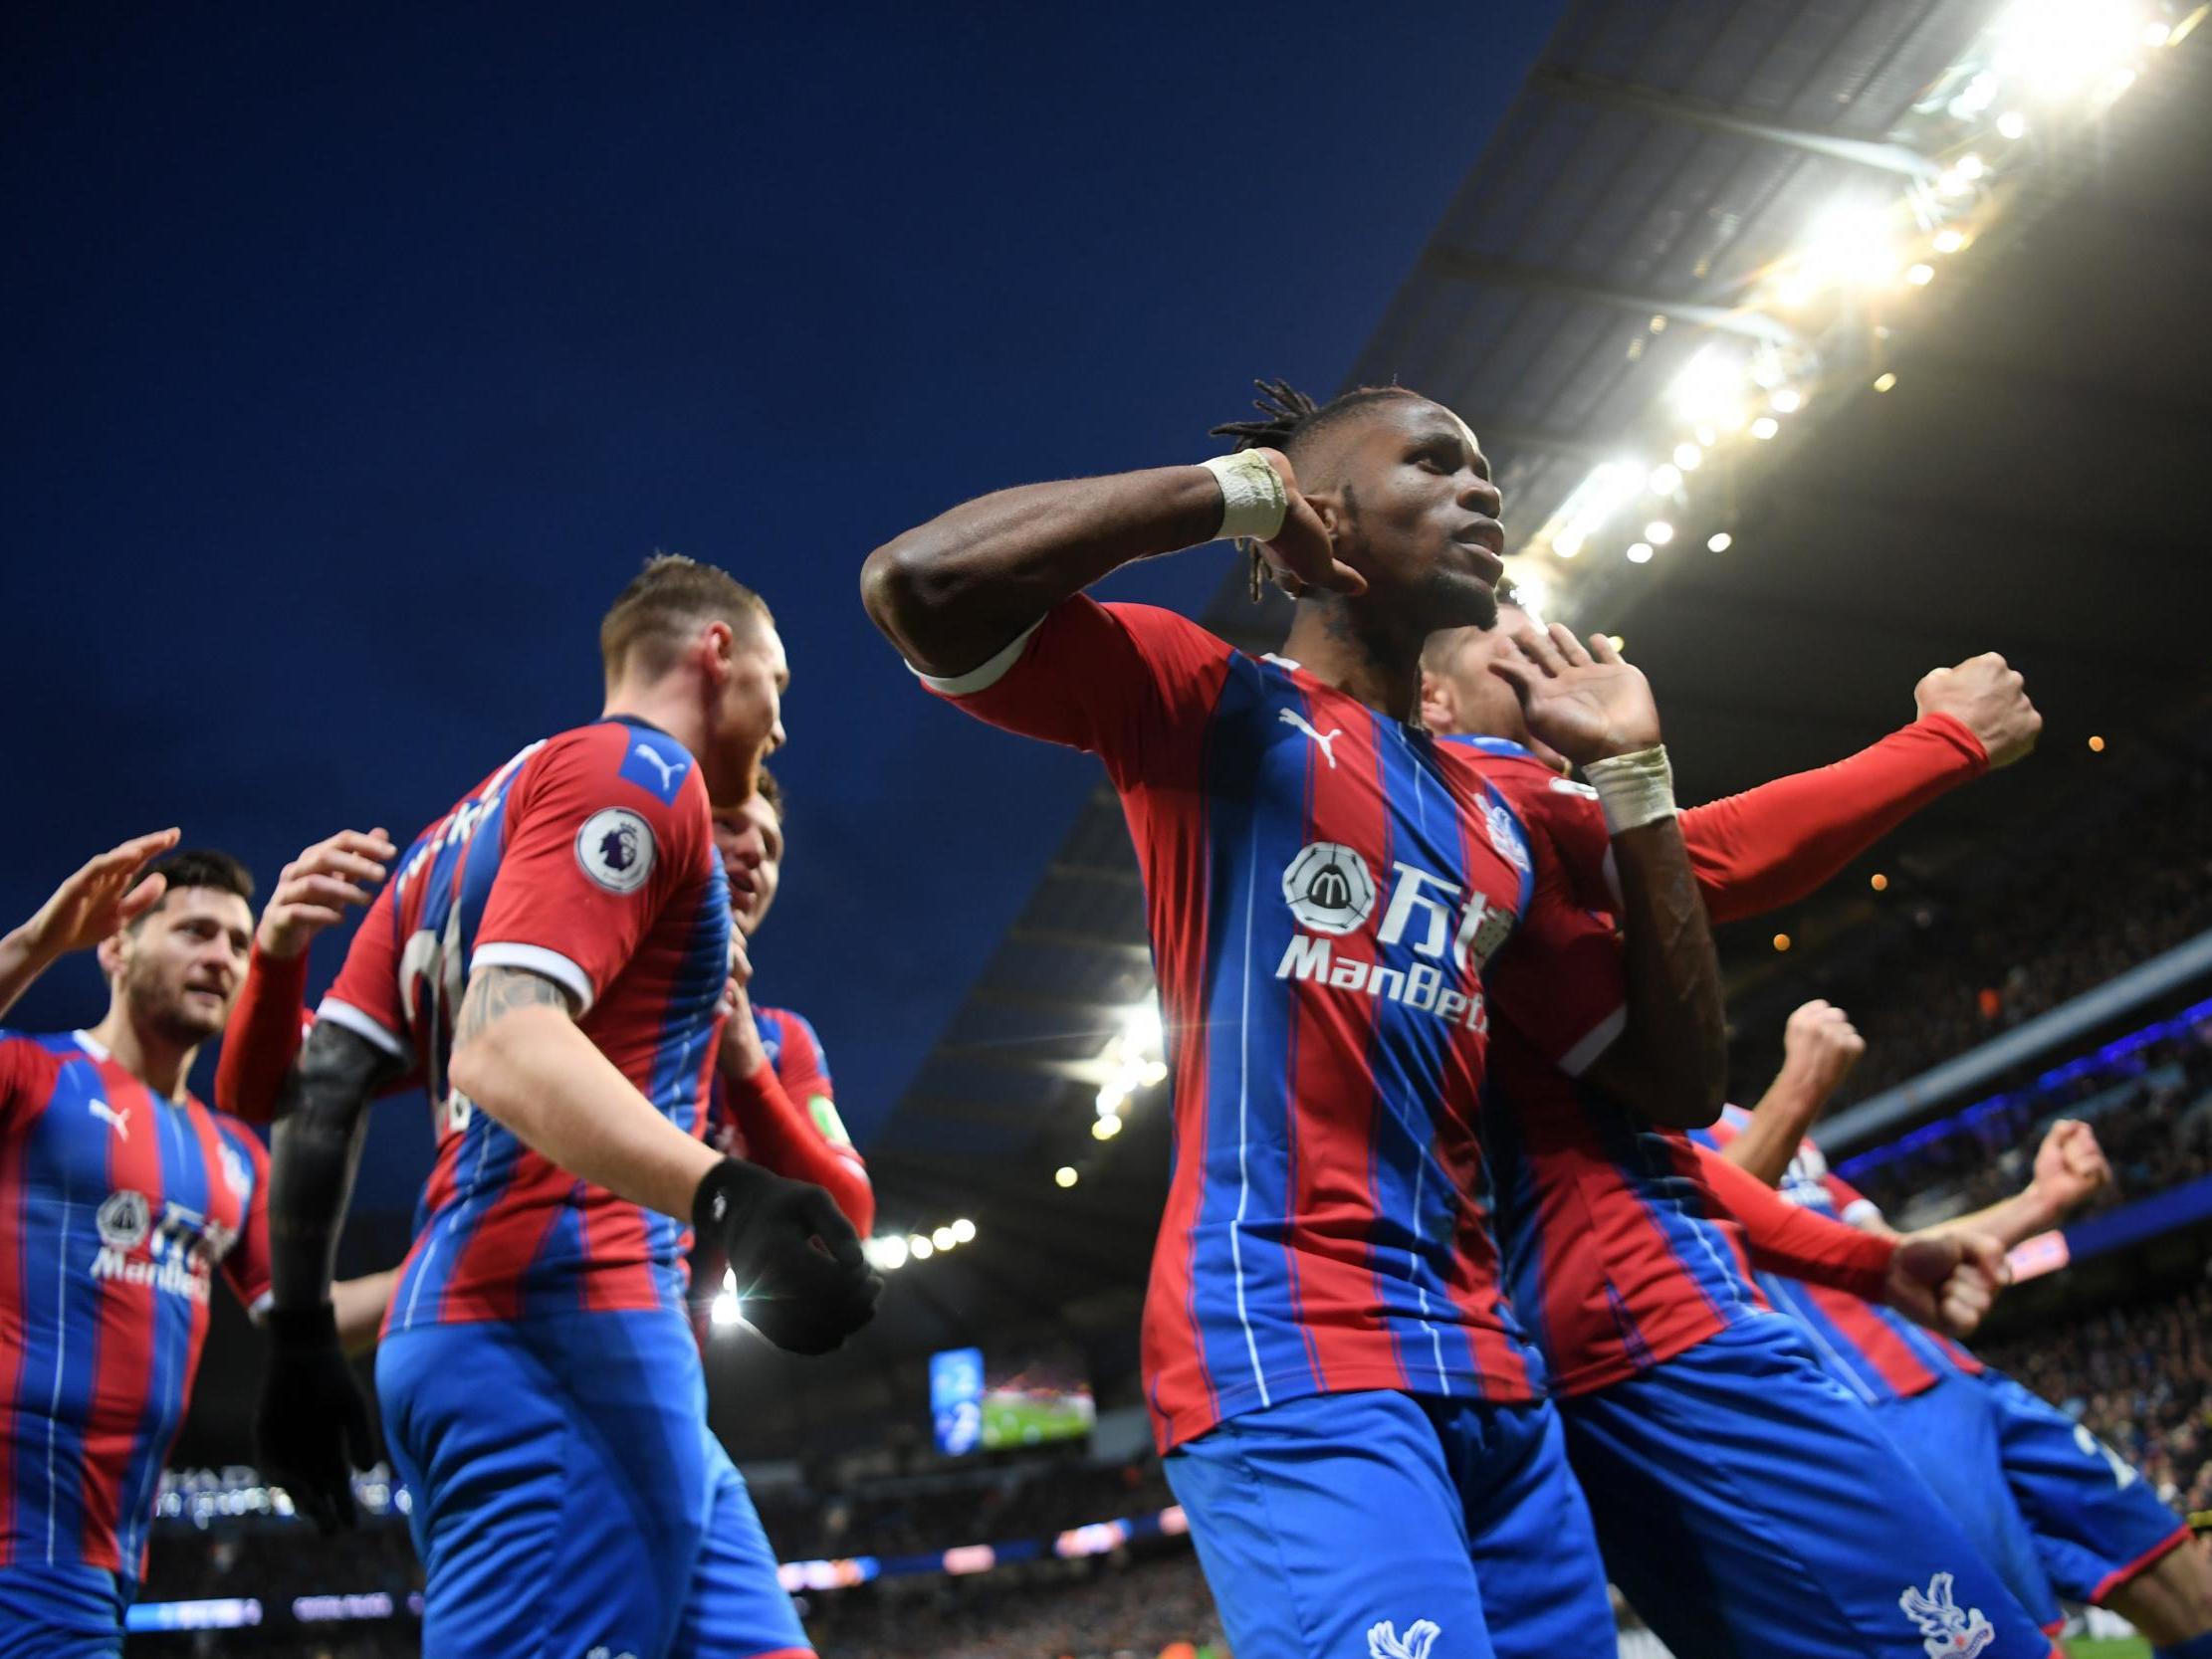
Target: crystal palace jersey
(1873, 1350)
(587, 858)
(116, 1204)
(1324, 889)
(1618, 1255)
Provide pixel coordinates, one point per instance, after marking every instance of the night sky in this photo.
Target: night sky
(353, 361)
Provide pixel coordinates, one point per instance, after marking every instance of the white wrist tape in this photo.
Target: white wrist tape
(1633, 789)
(1253, 501)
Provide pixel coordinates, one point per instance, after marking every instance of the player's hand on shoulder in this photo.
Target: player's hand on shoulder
(98, 900)
(1990, 699)
(1822, 1045)
(311, 1426)
(802, 1276)
(316, 890)
(1587, 702)
(2070, 1165)
(1946, 1281)
(1302, 550)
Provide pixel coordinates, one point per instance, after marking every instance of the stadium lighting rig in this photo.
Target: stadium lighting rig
(1803, 329)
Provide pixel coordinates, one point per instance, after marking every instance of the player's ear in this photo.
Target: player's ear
(1439, 703)
(114, 951)
(717, 647)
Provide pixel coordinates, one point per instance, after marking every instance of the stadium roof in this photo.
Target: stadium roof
(2025, 483)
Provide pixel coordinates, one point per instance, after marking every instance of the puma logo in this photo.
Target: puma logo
(1293, 718)
(119, 1119)
(669, 774)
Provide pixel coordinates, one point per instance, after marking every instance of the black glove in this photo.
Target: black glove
(312, 1424)
(798, 1266)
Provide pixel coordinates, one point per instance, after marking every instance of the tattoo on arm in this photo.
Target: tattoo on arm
(497, 991)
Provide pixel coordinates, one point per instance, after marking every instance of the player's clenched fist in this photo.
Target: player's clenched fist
(312, 1425)
(1987, 698)
(799, 1270)
(1820, 1045)
(1946, 1281)
(2069, 1165)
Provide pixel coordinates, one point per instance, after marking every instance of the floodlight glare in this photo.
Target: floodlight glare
(1639, 552)
(1665, 479)
(1765, 427)
(1687, 457)
(1659, 533)
(1719, 542)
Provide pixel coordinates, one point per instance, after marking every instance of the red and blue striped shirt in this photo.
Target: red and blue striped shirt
(1324, 888)
(588, 858)
(1875, 1352)
(116, 1204)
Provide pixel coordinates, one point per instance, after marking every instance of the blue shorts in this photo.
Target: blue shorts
(62, 1612)
(1381, 1523)
(1949, 1434)
(568, 1494)
(1749, 1506)
(2095, 1519)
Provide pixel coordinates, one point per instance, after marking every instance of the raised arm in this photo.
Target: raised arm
(1772, 845)
(955, 591)
(1820, 1046)
(1671, 1061)
(2069, 1166)
(261, 1042)
(94, 902)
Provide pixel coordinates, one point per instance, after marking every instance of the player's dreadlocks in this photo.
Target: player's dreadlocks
(1290, 418)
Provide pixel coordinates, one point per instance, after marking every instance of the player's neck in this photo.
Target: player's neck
(1328, 643)
(157, 1062)
(670, 706)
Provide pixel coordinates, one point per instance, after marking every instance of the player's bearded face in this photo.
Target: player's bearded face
(1418, 501)
(184, 964)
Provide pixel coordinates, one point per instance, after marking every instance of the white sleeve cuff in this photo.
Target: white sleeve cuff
(536, 958)
(1584, 1053)
(984, 676)
(365, 1026)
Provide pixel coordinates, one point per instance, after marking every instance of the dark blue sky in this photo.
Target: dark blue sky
(353, 361)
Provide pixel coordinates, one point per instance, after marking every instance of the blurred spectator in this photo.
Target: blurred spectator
(2069, 914)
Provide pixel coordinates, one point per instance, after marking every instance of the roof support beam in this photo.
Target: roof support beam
(1054, 938)
(1713, 118)
(1497, 273)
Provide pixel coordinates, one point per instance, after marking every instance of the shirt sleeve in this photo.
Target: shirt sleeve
(1117, 681)
(596, 844)
(789, 1123)
(246, 1264)
(1559, 979)
(1773, 845)
(26, 1074)
(1786, 1238)
(366, 996)
(263, 1037)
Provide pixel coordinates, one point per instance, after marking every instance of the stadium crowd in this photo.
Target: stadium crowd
(2141, 1378)
(2152, 1111)
(2069, 915)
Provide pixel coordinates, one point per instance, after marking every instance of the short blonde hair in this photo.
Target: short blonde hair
(650, 619)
